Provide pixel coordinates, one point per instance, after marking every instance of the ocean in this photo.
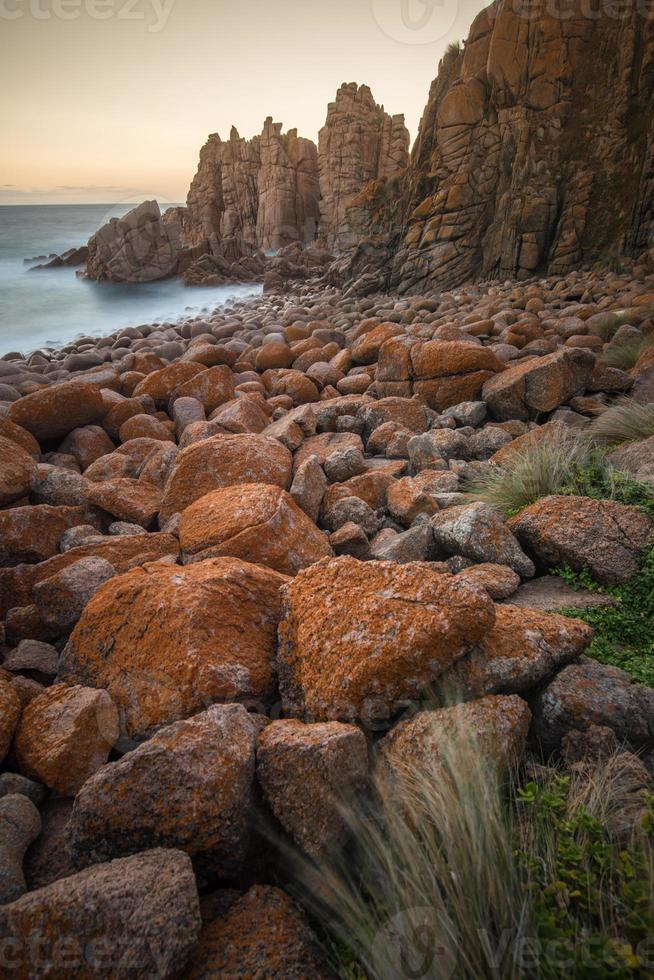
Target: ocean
(51, 308)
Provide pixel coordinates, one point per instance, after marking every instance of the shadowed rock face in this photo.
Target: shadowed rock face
(358, 143)
(140, 247)
(253, 193)
(534, 155)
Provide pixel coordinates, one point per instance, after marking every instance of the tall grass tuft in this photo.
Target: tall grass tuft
(431, 881)
(455, 872)
(625, 355)
(546, 467)
(625, 421)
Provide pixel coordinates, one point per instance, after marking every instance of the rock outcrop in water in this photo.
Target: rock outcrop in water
(140, 247)
(528, 160)
(534, 154)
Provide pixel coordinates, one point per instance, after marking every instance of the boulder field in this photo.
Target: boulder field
(242, 571)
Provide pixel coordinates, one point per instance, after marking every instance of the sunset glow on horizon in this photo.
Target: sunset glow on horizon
(110, 100)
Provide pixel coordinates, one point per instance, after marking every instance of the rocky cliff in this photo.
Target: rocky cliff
(359, 142)
(534, 155)
(248, 194)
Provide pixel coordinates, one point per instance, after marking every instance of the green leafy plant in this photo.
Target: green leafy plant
(597, 479)
(593, 896)
(624, 636)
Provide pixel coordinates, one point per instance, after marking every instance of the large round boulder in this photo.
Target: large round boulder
(224, 461)
(168, 641)
(255, 522)
(17, 469)
(603, 536)
(51, 413)
(359, 638)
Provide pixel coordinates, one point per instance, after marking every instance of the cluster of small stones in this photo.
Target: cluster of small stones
(235, 550)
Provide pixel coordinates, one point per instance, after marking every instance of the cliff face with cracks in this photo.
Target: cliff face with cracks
(534, 155)
(248, 194)
(359, 142)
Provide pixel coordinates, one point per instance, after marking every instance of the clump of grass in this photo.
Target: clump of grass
(454, 47)
(456, 873)
(546, 467)
(626, 355)
(625, 421)
(430, 878)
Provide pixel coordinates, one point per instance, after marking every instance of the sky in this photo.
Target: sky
(109, 101)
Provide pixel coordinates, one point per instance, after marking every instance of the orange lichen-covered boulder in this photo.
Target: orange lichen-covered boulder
(264, 934)
(212, 387)
(17, 469)
(443, 358)
(539, 384)
(65, 735)
(160, 384)
(166, 641)
(127, 500)
(255, 522)
(604, 536)
(441, 372)
(224, 461)
(500, 581)
(51, 413)
(9, 714)
(31, 534)
(357, 638)
(494, 727)
(521, 650)
(365, 349)
(189, 786)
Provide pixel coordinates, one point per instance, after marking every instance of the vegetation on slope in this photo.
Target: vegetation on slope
(454, 873)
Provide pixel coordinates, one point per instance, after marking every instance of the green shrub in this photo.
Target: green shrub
(625, 421)
(454, 873)
(593, 897)
(597, 479)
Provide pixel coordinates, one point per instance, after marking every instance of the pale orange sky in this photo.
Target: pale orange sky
(110, 100)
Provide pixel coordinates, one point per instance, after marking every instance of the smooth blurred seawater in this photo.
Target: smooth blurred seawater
(51, 308)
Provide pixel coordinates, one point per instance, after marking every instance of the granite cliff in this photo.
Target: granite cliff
(534, 155)
(359, 142)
